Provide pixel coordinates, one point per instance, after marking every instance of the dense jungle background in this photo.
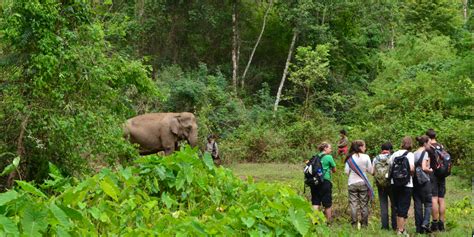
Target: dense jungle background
(271, 79)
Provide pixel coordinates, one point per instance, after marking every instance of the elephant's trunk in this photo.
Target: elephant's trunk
(193, 138)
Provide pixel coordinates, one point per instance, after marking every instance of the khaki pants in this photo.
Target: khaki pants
(359, 201)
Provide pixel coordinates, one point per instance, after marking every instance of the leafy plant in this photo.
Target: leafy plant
(177, 194)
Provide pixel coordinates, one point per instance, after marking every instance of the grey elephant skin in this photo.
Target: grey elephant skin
(156, 132)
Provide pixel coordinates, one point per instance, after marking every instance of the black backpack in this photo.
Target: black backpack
(442, 162)
(313, 171)
(400, 172)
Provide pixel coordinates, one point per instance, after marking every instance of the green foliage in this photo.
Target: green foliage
(178, 194)
(311, 68)
(424, 84)
(291, 137)
(204, 93)
(66, 91)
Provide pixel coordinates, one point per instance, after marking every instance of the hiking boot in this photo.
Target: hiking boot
(403, 233)
(425, 229)
(434, 226)
(440, 225)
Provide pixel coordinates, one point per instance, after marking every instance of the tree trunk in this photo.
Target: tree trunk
(392, 38)
(464, 3)
(256, 44)
(285, 71)
(235, 64)
(139, 9)
(20, 150)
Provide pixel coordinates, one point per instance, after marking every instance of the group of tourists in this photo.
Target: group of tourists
(410, 172)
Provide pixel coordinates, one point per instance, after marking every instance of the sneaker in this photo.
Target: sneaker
(440, 225)
(434, 226)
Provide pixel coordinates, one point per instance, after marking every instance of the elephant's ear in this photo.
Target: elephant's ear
(186, 120)
(174, 126)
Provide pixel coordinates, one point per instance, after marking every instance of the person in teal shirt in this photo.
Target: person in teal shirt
(322, 193)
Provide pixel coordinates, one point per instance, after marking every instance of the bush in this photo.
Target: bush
(180, 194)
(286, 138)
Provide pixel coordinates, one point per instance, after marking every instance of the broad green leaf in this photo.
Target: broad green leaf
(95, 212)
(30, 188)
(249, 221)
(11, 167)
(60, 215)
(109, 187)
(7, 197)
(16, 161)
(9, 226)
(53, 169)
(126, 173)
(34, 221)
(180, 179)
(198, 227)
(167, 200)
(8, 169)
(208, 161)
(60, 231)
(299, 221)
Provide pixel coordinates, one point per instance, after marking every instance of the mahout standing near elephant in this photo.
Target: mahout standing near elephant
(381, 175)
(357, 165)
(156, 132)
(401, 171)
(422, 186)
(213, 149)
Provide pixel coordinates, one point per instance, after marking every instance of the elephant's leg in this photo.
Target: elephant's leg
(169, 148)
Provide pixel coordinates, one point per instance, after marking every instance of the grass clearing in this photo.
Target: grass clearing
(459, 199)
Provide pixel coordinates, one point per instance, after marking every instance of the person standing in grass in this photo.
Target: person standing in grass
(438, 184)
(401, 171)
(322, 193)
(357, 165)
(211, 147)
(381, 171)
(422, 186)
(342, 143)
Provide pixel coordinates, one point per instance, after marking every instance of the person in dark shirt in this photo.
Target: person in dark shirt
(438, 186)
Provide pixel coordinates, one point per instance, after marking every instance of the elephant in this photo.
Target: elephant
(155, 132)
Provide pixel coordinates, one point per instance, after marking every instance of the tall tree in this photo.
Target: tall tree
(256, 43)
(300, 16)
(235, 45)
(285, 70)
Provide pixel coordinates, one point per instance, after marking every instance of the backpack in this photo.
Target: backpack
(420, 176)
(382, 170)
(443, 162)
(313, 171)
(400, 172)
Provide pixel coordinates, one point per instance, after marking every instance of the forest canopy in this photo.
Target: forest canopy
(270, 78)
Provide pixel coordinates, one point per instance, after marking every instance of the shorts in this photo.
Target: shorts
(402, 199)
(438, 186)
(342, 150)
(322, 194)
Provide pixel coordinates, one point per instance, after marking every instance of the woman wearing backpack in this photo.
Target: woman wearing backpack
(381, 171)
(322, 193)
(357, 165)
(422, 186)
(402, 167)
